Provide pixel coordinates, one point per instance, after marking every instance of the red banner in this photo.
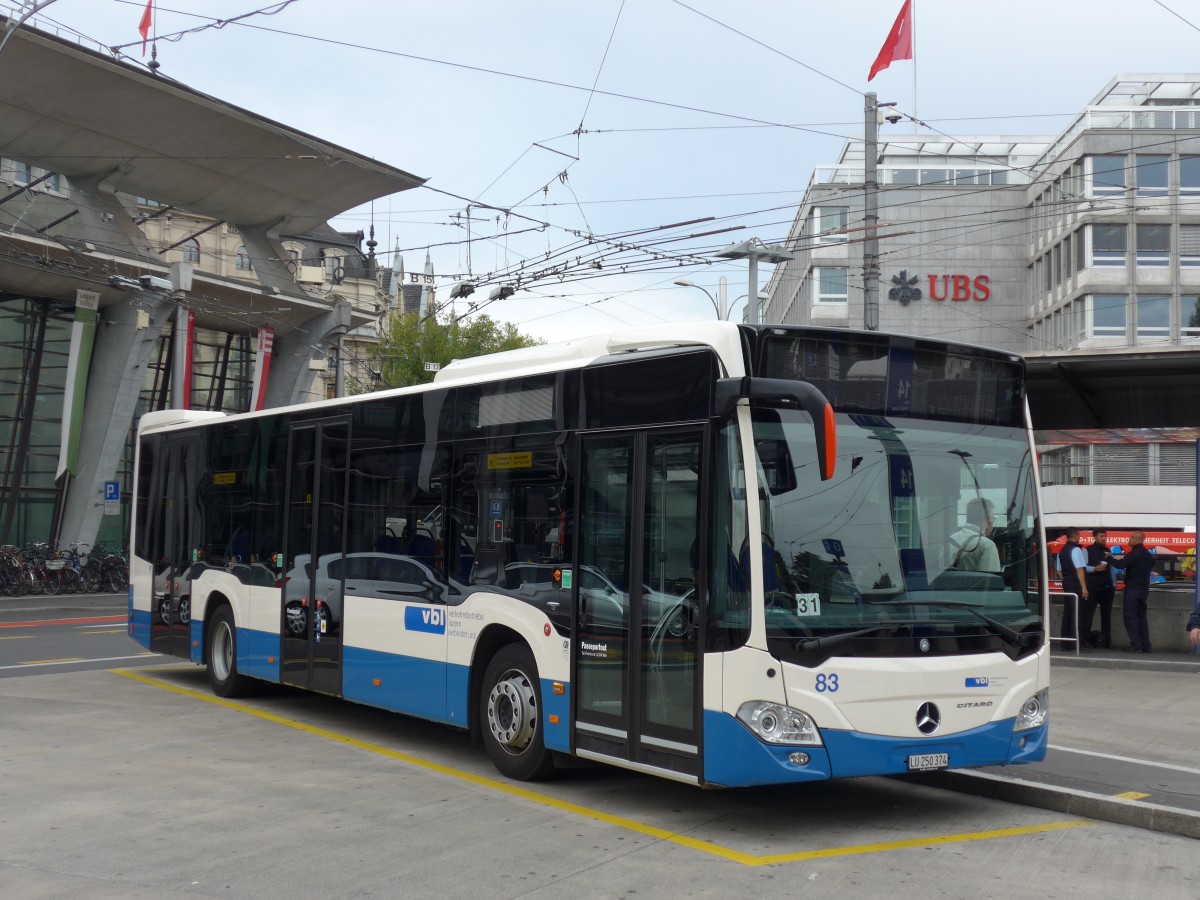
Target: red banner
(1174, 542)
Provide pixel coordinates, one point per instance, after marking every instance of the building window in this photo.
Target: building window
(191, 251)
(826, 219)
(1066, 257)
(1108, 175)
(1189, 245)
(1189, 174)
(1108, 245)
(1079, 321)
(1080, 251)
(243, 260)
(1189, 317)
(1107, 315)
(1153, 317)
(1151, 175)
(832, 285)
(22, 173)
(1153, 245)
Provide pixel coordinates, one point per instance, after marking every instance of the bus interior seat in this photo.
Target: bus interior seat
(491, 562)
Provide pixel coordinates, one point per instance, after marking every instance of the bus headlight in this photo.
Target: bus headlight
(1035, 711)
(778, 724)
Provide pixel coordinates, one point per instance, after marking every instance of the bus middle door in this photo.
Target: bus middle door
(314, 543)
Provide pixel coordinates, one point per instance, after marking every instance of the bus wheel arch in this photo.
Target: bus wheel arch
(507, 707)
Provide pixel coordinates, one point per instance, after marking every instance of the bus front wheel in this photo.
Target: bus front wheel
(222, 657)
(510, 709)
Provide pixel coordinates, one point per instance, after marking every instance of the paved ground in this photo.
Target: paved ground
(139, 783)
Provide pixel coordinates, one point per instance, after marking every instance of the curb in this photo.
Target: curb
(1186, 662)
(1147, 816)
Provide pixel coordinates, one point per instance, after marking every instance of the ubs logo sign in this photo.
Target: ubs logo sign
(941, 287)
(905, 289)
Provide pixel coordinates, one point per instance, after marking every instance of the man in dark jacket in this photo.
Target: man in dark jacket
(1193, 627)
(1072, 562)
(1100, 590)
(1139, 564)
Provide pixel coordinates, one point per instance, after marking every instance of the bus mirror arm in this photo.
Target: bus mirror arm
(784, 391)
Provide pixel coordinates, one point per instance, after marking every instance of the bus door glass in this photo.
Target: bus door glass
(176, 539)
(313, 556)
(637, 673)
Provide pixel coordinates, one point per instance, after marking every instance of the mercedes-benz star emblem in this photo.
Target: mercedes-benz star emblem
(929, 717)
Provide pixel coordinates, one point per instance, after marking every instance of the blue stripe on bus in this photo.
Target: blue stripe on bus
(420, 687)
(556, 735)
(993, 744)
(736, 758)
(407, 684)
(254, 649)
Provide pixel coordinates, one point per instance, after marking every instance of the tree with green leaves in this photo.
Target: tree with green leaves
(411, 342)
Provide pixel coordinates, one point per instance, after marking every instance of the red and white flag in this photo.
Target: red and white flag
(144, 25)
(899, 43)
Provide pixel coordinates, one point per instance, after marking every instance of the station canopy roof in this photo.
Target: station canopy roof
(1127, 389)
(85, 115)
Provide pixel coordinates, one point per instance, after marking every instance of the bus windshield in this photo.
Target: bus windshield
(923, 543)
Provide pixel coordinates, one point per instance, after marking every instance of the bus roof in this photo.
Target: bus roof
(722, 337)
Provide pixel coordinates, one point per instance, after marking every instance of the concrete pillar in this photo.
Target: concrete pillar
(117, 374)
(291, 377)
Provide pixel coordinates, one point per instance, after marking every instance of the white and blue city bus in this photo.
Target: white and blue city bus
(726, 555)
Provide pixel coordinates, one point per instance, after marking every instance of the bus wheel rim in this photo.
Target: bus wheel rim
(512, 711)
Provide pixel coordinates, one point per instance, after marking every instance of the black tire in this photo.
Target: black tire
(52, 581)
(221, 658)
(510, 715)
(295, 620)
(116, 579)
(91, 579)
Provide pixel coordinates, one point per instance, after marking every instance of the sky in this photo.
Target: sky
(579, 129)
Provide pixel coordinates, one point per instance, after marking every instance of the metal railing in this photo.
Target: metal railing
(1074, 599)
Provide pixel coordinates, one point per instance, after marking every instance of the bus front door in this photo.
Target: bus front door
(314, 541)
(175, 541)
(637, 652)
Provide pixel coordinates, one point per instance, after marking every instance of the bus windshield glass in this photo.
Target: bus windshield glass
(923, 543)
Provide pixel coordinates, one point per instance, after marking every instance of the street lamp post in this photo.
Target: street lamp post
(741, 297)
(683, 282)
(753, 250)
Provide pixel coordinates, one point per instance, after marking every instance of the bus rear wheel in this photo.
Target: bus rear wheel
(510, 710)
(221, 665)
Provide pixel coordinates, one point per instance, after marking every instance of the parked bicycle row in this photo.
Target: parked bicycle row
(45, 569)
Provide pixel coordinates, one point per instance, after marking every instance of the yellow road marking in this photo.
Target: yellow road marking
(747, 859)
(16, 637)
(42, 662)
(1131, 795)
(110, 631)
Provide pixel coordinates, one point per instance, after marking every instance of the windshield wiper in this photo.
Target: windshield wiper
(1014, 637)
(832, 640)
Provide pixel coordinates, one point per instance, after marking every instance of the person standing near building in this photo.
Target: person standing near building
(1193, 627)
(1139, 564)
(1100, 588)
(1072, 562)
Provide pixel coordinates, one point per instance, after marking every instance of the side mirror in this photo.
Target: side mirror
(782, 392)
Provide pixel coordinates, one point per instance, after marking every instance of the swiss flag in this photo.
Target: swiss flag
(144, 25)
(899, 43)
